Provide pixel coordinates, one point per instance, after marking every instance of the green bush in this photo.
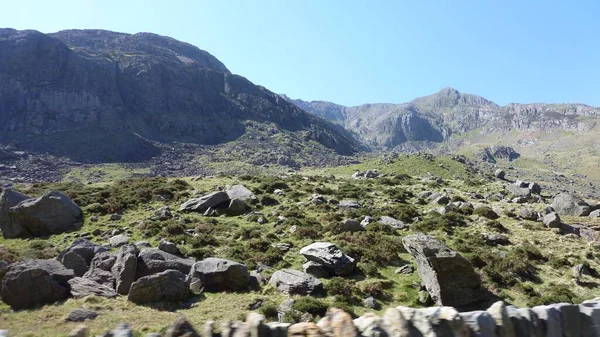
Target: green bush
(554, 294)
(312, 305)
(269, 310)
(446, 222)
(377, 247)
(400, 212)
(341, 286)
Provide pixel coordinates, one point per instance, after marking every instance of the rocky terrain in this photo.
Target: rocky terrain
(435, 118)
(406, 230)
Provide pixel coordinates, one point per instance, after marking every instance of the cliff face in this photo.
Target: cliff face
(434, 118)
(96, 95)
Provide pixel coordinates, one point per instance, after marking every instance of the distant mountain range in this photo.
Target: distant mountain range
(435, 118)
(96, 95)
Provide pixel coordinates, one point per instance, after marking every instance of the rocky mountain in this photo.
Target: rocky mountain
(434, 118)
(95, 96)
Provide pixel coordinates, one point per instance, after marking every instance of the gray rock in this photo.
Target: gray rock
(73, 261)
(449, 278)
(81, 315)
(352, 225)
(101, 276)
(215, 274)
(79, 255)
(118, 240)
(115, 217)
(143, 244)
(528, 214)
(181, 328)
(371, 303)
(571, 319)
(582, 269)
(523, 188)
(237, 207)
(568, 205)
(494, 239)
(8, 199)
(153, 260)
(124, 268)
(391, 222)
(203, 203)
(164, 213)
(242, 193)
(441, 200)
(329, 256)
(529, 325)
(122, 330)
(552, 220)
(103, 260)
(349, 204)
(551, 320)
(262, 220)
(366, 221)
(406, 269)
(315, 269)
(81, 287)
(169, 285)
(480, 323)
(504, 326)
(168, 247)
(500, 174)
(590, 318)
(53, 213)
(595, 214)
(35, 282)
(294, 282)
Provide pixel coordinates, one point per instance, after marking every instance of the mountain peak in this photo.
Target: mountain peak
(448, 91)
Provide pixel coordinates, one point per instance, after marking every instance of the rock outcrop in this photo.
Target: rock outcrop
(569, 205)
(169, 285)
(215, 274)
(330, 257)
(295, 282)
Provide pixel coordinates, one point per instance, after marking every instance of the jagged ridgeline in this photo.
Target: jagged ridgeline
(94, 95)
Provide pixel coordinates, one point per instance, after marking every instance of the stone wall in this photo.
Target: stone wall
(499, 320)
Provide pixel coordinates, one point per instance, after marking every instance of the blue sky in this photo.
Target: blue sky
(352, 52)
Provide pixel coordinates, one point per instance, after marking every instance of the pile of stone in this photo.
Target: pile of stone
(368, 174)
(499, 320)
(144, 276)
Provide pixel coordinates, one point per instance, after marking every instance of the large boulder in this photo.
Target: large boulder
(152, 261)
(449, 278)
(203, 203)
(391, 222)
(295, 282)
(569, 205)
(81, 287)
(124, 268)
(242, 193)
(524, 188)
(330, 257)
(52, 213)
(79, 255)
(215, 274)
(8, 199)
(169, 285)
(35, 282)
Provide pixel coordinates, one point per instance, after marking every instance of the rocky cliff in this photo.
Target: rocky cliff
(434, 118)
(95, 95)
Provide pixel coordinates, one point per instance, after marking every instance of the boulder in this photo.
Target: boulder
(237, 207)
(500, 174)
(52, 213)
(203, 203)
(101, 276)
(164, 213)
(81, 315)
(153, 260)
(441, 200)
(295, 282)
(449, 278)
(352, 225)
(79, 255)
(35, 282)
(523, 188)
(551, 320)
(595, 214)
(349, 204)
(118, 240)
(242, 193)
(552, 220)
(371, 303)
(8, 199)
(124, 268)
(568, 205)
(81, 287)
(215, 274)
(315, 269)
(180, 328)
(169, 285)
(528, 214)
(168, 247)
(391, 222)
(329, 256)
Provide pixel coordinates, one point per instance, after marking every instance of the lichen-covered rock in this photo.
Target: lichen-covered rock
(216, 274)
(169, 285)
(329, 256)
(153, 260)
(81, 287)
(294, 282)
(569, 205)
(205, 202)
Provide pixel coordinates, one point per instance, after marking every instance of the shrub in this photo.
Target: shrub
(372, 246)
(486, 212)
(458, 198)
(496, 225)
(373, 288)
(398, 194)
(269, 310)
(267, 200)
(350, 191)
(401, 212)
(313, 306)
(340, 286)
(554, 294)
(445, 222)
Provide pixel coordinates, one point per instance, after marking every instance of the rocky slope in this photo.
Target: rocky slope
(434, 118)
(94, 96)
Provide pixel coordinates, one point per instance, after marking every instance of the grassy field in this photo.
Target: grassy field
(534, 268)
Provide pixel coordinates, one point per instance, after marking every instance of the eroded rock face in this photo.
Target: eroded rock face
(35, 282)
(569, 205)
(169, 285)
(449, 278)
(52, 213)
(330, 257)
(215, 274)
(295, 282)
